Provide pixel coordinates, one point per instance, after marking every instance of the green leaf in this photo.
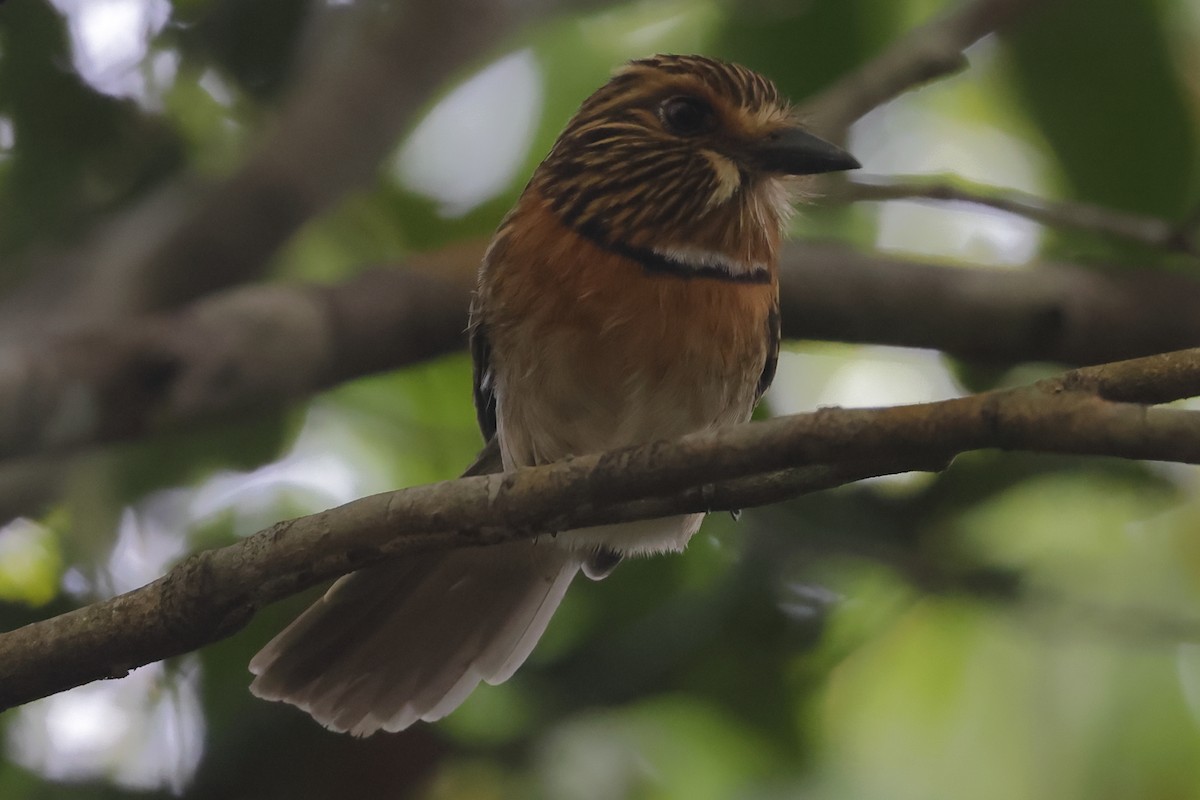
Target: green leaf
(30, 563)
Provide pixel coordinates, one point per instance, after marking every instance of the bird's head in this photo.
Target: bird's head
(687, 156)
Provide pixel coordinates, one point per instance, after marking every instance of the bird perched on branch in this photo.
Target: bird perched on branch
(631, 295)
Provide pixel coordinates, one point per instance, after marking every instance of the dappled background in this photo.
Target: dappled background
(1016, 627)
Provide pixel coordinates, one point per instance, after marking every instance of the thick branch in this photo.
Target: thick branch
(339, 122)
(377, 66)
(248, 348)
(1057, 312)
(213, 593)
(260, 346)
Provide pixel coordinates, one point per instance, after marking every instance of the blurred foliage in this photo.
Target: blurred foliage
(80, 152)
(1015, 627)
(30, 564)
(1141, 159)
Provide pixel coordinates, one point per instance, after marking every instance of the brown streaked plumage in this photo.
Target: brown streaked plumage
(630, 295)
(617, 173)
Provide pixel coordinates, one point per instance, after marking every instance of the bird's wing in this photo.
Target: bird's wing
(773, 336)
(485, 393)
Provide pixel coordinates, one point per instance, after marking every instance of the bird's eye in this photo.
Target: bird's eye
(686, 116)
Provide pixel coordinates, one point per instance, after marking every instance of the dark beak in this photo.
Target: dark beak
(792, 151)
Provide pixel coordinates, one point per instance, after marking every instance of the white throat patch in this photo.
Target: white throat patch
(709, 260)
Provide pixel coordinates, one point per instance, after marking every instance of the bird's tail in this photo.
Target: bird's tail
(409, 640)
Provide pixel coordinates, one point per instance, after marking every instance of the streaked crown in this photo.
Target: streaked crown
(681, 155)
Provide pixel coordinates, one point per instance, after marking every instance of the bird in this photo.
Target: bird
(630, 295)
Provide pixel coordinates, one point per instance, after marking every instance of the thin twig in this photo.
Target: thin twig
(1141, 228)
(931, 51)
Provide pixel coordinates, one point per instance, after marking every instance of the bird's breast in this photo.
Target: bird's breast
(592, 352)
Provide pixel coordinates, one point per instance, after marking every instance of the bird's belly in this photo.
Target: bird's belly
(604, 411)
(583, 391)
(576, 398)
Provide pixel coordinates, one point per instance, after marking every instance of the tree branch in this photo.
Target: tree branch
(931, 51)
(358, 93)
(1058, 312)
(248, 348)
(1140, 228)
(213, 593)
(257, 347)
(377, 65)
